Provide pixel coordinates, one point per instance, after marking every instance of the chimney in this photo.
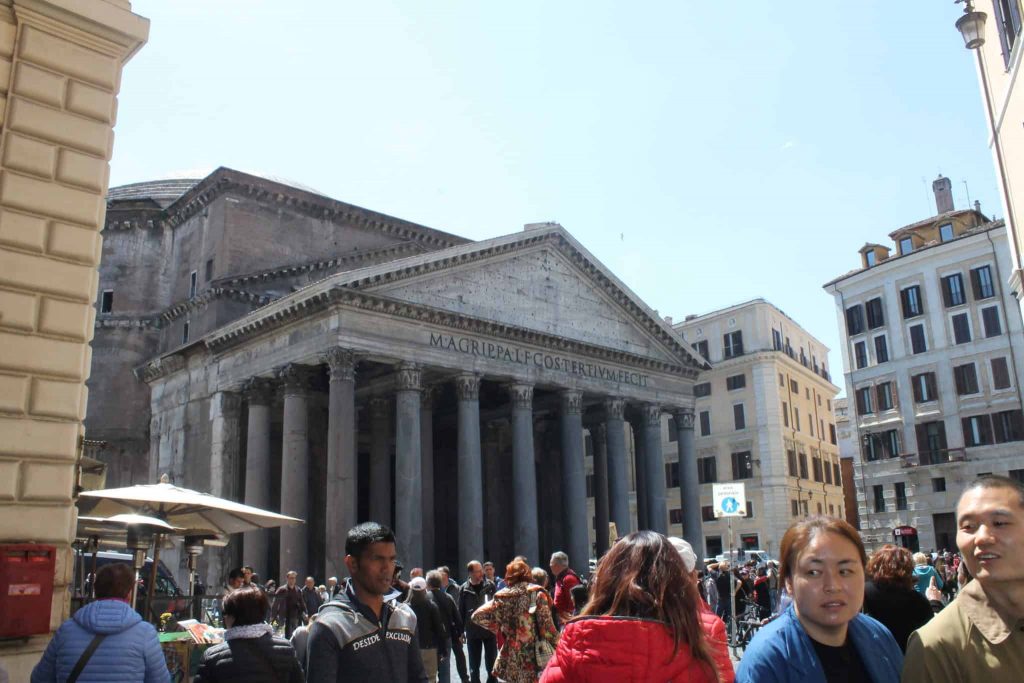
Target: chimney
(943, 190)
(977, 206)
(668, 319)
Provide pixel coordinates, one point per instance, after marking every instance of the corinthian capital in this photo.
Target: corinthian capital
(258, 391)
(614, 409)
(408, 377)
(522, 395)
(572, 402)
(651, 414)
(467, 386)
(295, 378)
(342, 363)
(684, 418)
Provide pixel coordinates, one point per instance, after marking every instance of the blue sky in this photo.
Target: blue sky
(707, 152)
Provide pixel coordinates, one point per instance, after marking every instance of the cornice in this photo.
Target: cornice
(225, 180)
(203, 300)
(355, 259)
(160, 367)
(239, 333)
(124, 322)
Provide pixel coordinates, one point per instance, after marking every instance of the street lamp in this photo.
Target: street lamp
(971, 25)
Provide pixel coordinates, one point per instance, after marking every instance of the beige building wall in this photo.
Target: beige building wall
(1000, 58)
(787, 405)
(60, 70)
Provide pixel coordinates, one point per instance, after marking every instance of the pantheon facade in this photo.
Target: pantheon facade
(263, 342)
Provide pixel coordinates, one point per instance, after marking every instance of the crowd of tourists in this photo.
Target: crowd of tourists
(648, 612)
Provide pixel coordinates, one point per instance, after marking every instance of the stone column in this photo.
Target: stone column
(225, 440)
(494, 511)
(525, 531)
(640, 467)
(470, 476)
(618, 470)
(380, 460)
(342, 494)
(654, 460)
(598, 437)
(689, 484)
(256, 544)
(408, 466)
(295, 469)
(427, 472)
(574, 482)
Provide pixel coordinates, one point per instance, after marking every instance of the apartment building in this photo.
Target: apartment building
(932, 344)
(764, 417)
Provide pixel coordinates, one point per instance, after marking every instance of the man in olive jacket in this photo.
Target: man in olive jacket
(357, 637)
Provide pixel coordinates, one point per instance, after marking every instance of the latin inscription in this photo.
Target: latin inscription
(546, 361)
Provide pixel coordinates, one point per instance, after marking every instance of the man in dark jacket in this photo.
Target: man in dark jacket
(310, 597)
(289, 607)
(452, 625)
(129, 650)
(358, 637)
(476, 592)
(451, 588)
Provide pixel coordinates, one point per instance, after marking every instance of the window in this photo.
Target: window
(776, 339)
(184, 333)
(831, 510)
(803, 507)
(701, 390)
(879, 498)
(946, 232)
(734, 382)
(881, 349)
(733, 344)
(1000, 373)
(671, 475)
(791, 460)
(750, 509)
(707, 470)
(816, 469)
(906, 245)
(910, 299)
(193, 283)
(796, 419)
(860, 353)
(837, 474)
(901, 495)
(982, 284)
(107, 301)
(1017, 475)
(938, 484)
(977, 430)
(705, 422)
(782, 381)
(673, 434)
(931, 442)
(832, 433)
(873, 449)
(870, 258)
(953, 290)
(876, 318)
(854, 320)
(884, 393)
(961, 329)
(810, 426)
(1008, 425)
(785, 414)
(209, 269)
(966, 378)
(819, 508)
(1008, 24)
(917, 340)
(828, 473)
(794, 508)
(803, 466)
(864, 403)
(714, 545)
(924, 387)
(807, 393)
(739, 417)
(702, 348)
(675, 516)
(707, 513)
(742, 465)
(794, 387)
(990, 320)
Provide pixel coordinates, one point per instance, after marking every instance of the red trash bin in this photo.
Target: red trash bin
(26, 588)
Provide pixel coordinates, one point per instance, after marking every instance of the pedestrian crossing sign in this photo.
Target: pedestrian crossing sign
(730, 500)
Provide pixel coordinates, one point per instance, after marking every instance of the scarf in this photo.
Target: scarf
(248, 631)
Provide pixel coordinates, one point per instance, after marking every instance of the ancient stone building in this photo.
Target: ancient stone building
(266, 343)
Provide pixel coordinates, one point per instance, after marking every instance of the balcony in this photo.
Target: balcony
(935, 457)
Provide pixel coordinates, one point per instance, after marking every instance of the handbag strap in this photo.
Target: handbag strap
(86, 656)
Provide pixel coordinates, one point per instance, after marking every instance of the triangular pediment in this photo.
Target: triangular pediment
(539, 282)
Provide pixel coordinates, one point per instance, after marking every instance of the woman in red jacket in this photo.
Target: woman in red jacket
(638, 625)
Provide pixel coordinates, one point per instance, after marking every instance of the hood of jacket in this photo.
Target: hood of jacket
(624, 649)
(107, 616)
(923, 570)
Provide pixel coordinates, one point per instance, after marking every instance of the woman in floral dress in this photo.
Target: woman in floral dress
(520, 613)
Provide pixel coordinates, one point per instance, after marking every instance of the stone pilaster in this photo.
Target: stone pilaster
(342, 492)
(408, 465)
(470, 475)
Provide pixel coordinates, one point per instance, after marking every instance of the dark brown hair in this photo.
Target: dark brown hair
(114, 580)
(517, 571)
(893, 566)
(248, 605)
(798, 536)
(642, 575)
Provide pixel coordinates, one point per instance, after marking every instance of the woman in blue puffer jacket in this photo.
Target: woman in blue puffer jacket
(129, 651)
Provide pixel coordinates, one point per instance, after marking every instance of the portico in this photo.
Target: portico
(447, 394)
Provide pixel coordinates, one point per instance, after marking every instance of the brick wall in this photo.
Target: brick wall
(60, 68)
